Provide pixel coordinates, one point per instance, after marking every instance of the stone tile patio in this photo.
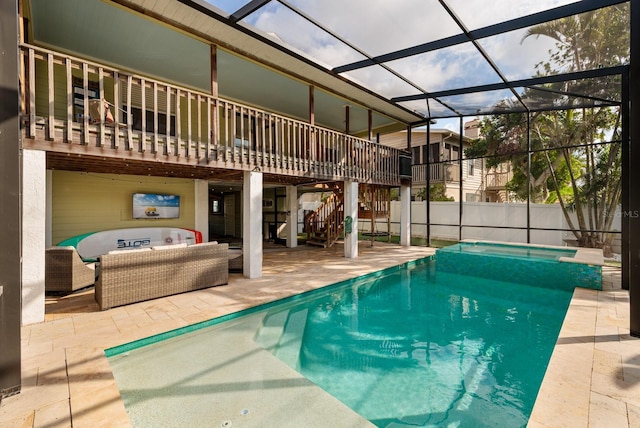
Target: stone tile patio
(593, 378)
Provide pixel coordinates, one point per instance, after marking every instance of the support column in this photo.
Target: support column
(34, 196)
(48, 241)
(292, 216)
(252, 224)
(633, 192)
(351, 210)
(201, 193)
(10, 202)
(405, 215)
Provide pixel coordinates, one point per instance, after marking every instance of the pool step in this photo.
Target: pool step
(271, 330)
(290, 343)
(282, 333)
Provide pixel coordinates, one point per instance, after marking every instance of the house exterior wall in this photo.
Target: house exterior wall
(473, 184)
(85, 203)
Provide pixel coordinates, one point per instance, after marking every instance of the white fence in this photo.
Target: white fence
(494, 218)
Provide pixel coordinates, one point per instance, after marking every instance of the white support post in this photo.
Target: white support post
(292, 216)
(351, 211)
(252, 224)
(48, 242)
(405, 215)
(201, 221)
(34, 220)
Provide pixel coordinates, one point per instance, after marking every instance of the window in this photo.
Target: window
(136, 121)
(472, 197)
(415, 155)
(471, 164)
(216, 204)
(93, 89)
(434, 152)
(451, 152)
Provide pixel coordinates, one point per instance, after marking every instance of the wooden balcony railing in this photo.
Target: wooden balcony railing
(438, 173)
(62, 108)
(498, 180)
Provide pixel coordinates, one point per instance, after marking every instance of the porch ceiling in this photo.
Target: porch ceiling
(443, 58)
(107, 165)
(409, 62)
(249, 71)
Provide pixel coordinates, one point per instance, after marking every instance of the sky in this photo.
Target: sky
(377, 27)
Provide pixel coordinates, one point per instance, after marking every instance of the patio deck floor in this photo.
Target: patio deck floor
(593, 378)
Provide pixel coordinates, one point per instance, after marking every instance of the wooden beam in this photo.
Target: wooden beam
(346, 119)
(214, 71)
(312, 105)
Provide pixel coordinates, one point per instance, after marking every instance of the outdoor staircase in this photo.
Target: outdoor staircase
(326, 224)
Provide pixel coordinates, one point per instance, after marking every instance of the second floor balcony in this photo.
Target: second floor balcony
(438, 173)
(76, 107)
(497, 180)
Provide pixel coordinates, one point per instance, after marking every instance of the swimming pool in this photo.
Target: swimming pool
(405, 347)
(540, 266)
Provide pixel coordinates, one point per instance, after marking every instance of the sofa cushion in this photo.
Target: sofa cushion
(169, 247)
(128, 251)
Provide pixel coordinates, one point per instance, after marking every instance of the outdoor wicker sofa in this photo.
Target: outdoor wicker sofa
(65, 271)
(134, 276)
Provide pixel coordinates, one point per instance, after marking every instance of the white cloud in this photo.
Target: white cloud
(382, 26)
(481, 13)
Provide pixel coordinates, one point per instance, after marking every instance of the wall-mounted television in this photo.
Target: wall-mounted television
(155, 206)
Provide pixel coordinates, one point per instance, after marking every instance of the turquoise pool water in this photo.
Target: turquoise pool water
(537, 266)
(409, 347)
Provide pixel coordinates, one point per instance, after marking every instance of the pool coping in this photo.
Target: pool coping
(67, 379)
(593, 376)
(588, 256)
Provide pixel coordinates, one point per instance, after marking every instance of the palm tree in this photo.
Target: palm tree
(571, 168)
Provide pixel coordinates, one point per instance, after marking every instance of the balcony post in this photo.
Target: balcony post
(351, 210)
(10, 202)
(214, 71)
(292, 216)
(34, 220)
(202, 208)
(252, 224)
(405, 215)
(632, 192)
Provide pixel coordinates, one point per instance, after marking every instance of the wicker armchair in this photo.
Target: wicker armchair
(235, 260)
(65, 270)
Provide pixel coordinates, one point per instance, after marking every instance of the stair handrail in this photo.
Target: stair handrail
(327, 221)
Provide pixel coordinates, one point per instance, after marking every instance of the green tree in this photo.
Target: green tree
(437, 193)
(568, 164)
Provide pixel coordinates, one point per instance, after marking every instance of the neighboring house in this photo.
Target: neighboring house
(173, 98)
(479, 183)
(496, 183)
(441, 156)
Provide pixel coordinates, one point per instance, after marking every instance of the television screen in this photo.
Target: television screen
(152, 206)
